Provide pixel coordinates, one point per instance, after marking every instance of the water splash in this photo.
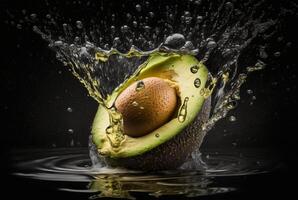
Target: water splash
(227, 101)
(219, 33)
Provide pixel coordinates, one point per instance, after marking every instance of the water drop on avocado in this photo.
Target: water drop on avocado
(134, 103)
(140, 86)
(183, 111)
(197, 83)
(194, 69)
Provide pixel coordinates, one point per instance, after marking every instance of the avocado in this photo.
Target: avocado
(168, 146)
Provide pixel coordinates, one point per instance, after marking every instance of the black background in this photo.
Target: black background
(37, 90)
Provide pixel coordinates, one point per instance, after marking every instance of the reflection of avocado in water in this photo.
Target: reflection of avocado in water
(109, 186)
(163, 109)
(126, 185)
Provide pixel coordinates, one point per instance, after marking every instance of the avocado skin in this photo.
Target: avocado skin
(171, 154)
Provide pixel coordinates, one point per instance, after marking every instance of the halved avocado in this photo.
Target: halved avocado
(170, 145)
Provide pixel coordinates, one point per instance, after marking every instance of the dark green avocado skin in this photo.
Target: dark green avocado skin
(171, 154)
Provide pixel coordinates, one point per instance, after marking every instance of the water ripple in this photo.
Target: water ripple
(74, 166)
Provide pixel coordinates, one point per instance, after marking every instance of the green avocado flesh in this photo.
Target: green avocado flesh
(174, 67)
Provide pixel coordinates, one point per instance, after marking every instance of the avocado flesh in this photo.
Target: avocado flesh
(173, 67)
(171, 154)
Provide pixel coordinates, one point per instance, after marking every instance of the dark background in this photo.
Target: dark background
(37, 90)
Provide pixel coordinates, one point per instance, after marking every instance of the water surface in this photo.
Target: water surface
(70, 170)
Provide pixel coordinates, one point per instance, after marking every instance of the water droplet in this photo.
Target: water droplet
(211, 44)
(124, 29)
(64, 26)
(175, 41)
(138, 8)
(197, 82)
(226, 52)
(187, 13)
(19, 26)
(79, 24)
(69, 109)
(262, 52)
(147, 28)
(109, 130)
(142, 108)
(277, 54)
(116, 41)
(35, 29)
(234, 144)
(140, 86)
(187, 20)
(199, 19)
(48, 16)
(33, 16)
(249, 91)
(208, 156)
(135, 24)
(128, 15)
(188, 45)
(253, 98)
(194, 69)
(70, 131)
(229, 5)
(157, 135)
(183, 111)
(58, 43)
(151, 14)
(77, 39)
(197, 2)
(134, 103)
(232, 118)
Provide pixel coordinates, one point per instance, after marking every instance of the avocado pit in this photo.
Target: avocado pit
(146, 105)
